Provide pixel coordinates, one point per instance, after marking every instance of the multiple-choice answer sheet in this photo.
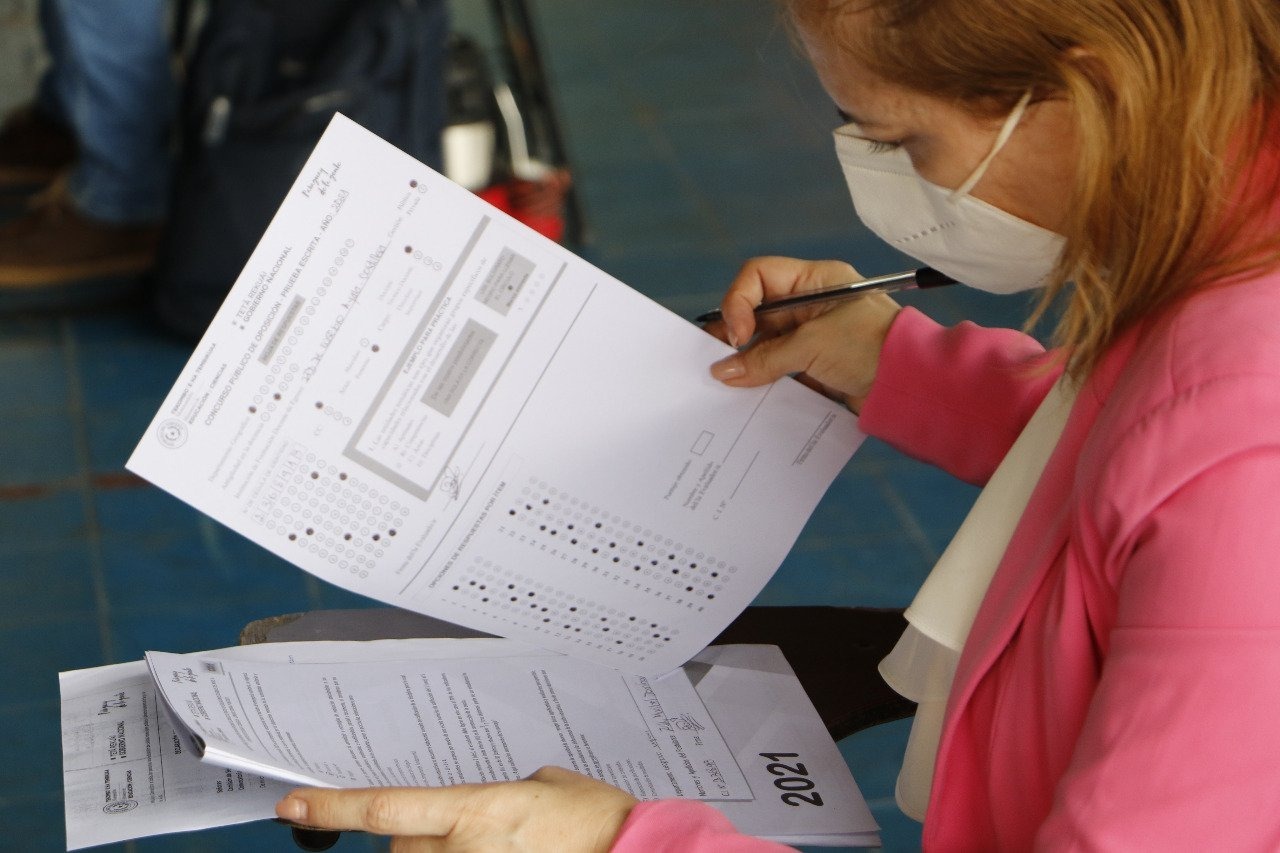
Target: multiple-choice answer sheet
(749, 742)
(413, 396)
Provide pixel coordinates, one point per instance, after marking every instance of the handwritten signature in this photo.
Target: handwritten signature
(451, 482)
(686, 723)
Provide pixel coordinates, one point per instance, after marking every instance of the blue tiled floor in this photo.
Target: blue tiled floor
(698, 139)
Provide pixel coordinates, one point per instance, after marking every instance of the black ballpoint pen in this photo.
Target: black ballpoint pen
(923, 278)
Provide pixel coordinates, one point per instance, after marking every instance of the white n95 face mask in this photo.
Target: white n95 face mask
(975, 243)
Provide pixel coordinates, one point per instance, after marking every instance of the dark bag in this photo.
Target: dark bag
(264, 81)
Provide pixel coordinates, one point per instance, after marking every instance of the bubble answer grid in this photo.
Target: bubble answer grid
(507, 596)
(336, 515)
(583, 536)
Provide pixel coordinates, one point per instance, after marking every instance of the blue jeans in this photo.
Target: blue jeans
(110, 81)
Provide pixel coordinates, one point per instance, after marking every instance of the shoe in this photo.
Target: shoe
(34, 150)
(56, 257)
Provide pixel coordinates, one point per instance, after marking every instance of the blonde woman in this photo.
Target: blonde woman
(1097, 656)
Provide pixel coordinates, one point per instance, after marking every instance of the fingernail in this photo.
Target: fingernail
(733, 339)
(292, 808)
(729, 368)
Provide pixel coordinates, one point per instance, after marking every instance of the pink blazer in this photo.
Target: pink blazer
(1120, 688)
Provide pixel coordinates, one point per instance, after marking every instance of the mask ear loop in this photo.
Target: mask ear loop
(1005, 132)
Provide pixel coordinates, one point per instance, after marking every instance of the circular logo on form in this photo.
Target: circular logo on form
(172, 433)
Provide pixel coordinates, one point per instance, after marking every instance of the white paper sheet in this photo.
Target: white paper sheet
(803, 791)
(126, 772)
(446, 722)
(749, 692)
(411, 395)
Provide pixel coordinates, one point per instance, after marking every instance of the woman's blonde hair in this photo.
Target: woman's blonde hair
(1175, 100)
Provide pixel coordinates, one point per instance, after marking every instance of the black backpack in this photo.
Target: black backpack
(262, 84)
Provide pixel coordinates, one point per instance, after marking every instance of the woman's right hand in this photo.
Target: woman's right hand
(834, 347)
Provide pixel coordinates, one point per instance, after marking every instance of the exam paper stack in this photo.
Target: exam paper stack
(184, 742)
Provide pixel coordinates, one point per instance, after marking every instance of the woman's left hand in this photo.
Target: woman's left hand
(554, 809)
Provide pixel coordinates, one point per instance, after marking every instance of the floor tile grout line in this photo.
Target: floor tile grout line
(315, 592)
(212, 544)
(104, 480)
(911, 526)
(93, 535)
